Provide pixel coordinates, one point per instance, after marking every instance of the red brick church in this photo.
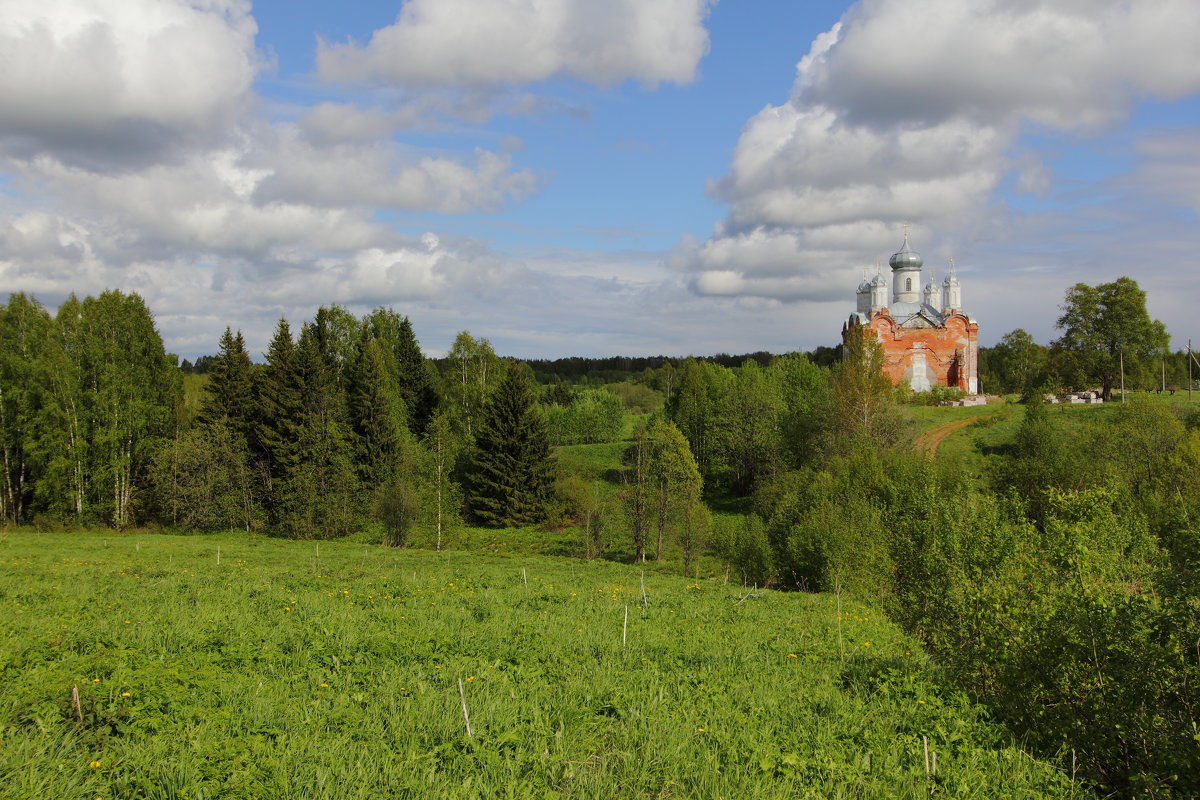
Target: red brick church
(928, 340)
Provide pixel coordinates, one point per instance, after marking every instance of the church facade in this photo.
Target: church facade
(928, 340)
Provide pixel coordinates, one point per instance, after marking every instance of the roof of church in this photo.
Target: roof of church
(906, 257)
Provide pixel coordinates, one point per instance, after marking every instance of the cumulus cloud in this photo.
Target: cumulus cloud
(512, 42)
(381, 173)
(904, 112)
(122, 81)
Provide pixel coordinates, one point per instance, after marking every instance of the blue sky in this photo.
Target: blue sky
(574, 178)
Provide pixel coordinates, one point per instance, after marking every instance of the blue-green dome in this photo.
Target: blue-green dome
(906, 258)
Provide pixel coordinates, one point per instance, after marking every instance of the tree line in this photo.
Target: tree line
(345, 425)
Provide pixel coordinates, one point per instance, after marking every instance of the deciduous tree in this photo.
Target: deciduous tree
(1106, 325)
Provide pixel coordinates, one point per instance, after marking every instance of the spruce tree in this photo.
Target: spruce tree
(378, 416)
(322, 488)
(409, 367)
(279, 412)
(510, 474)
(230, 394)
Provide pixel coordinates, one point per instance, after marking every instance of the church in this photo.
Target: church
(928, 340)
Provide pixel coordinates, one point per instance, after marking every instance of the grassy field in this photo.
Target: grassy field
(995, 425)
(236, 667)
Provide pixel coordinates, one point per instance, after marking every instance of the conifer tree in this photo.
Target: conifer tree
(377, 413)
(509, 478)
(230, 394)
(318, 486)
(279, 413)
(409, 367)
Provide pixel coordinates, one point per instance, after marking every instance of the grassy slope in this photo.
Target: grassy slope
(281, 674)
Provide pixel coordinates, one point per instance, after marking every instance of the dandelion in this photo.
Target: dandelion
(791, 655)
(125, 694)
(94, 765)
(920, 702)
(470, 678)
(127, 622)
(324, 685)
(95, 680)
(699, 730)
(437, 666)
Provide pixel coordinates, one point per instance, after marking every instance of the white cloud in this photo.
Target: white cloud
(904, 112)
(105, 81)
(513, 42)
(381, 173)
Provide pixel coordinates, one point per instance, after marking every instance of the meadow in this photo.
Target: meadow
(235, 666)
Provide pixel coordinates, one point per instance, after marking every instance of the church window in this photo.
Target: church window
(908, 284)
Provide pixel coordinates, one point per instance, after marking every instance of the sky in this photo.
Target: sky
(577, 177)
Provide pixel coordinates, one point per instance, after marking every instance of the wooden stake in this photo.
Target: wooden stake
(645, 602)
(75, 702)
(625, 626)
(841, 644)
(925, 743)
(524, 577)
(466, 718)
(218, 556)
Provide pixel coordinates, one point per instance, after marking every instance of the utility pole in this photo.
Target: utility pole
(1122, 376)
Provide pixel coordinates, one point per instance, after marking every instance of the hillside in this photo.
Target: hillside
(259, 668)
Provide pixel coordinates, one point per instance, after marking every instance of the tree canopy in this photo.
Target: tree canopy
(1102, 327)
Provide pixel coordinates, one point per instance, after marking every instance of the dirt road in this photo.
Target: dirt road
(928, 441)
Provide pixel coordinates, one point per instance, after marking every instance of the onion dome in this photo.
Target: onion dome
(951, 279)
(865, 286)
(878, 280)
(906, 258)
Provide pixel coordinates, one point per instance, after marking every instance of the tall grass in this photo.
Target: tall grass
(281, 673)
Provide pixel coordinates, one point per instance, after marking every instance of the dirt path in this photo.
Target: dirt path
(928, 441)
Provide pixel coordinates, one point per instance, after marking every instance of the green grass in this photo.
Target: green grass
(284, 673)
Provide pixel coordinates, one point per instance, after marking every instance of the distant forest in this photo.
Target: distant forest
(599, 371)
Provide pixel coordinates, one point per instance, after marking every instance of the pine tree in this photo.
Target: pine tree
(509, 478)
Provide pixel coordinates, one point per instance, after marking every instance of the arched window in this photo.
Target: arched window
(908, 284)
